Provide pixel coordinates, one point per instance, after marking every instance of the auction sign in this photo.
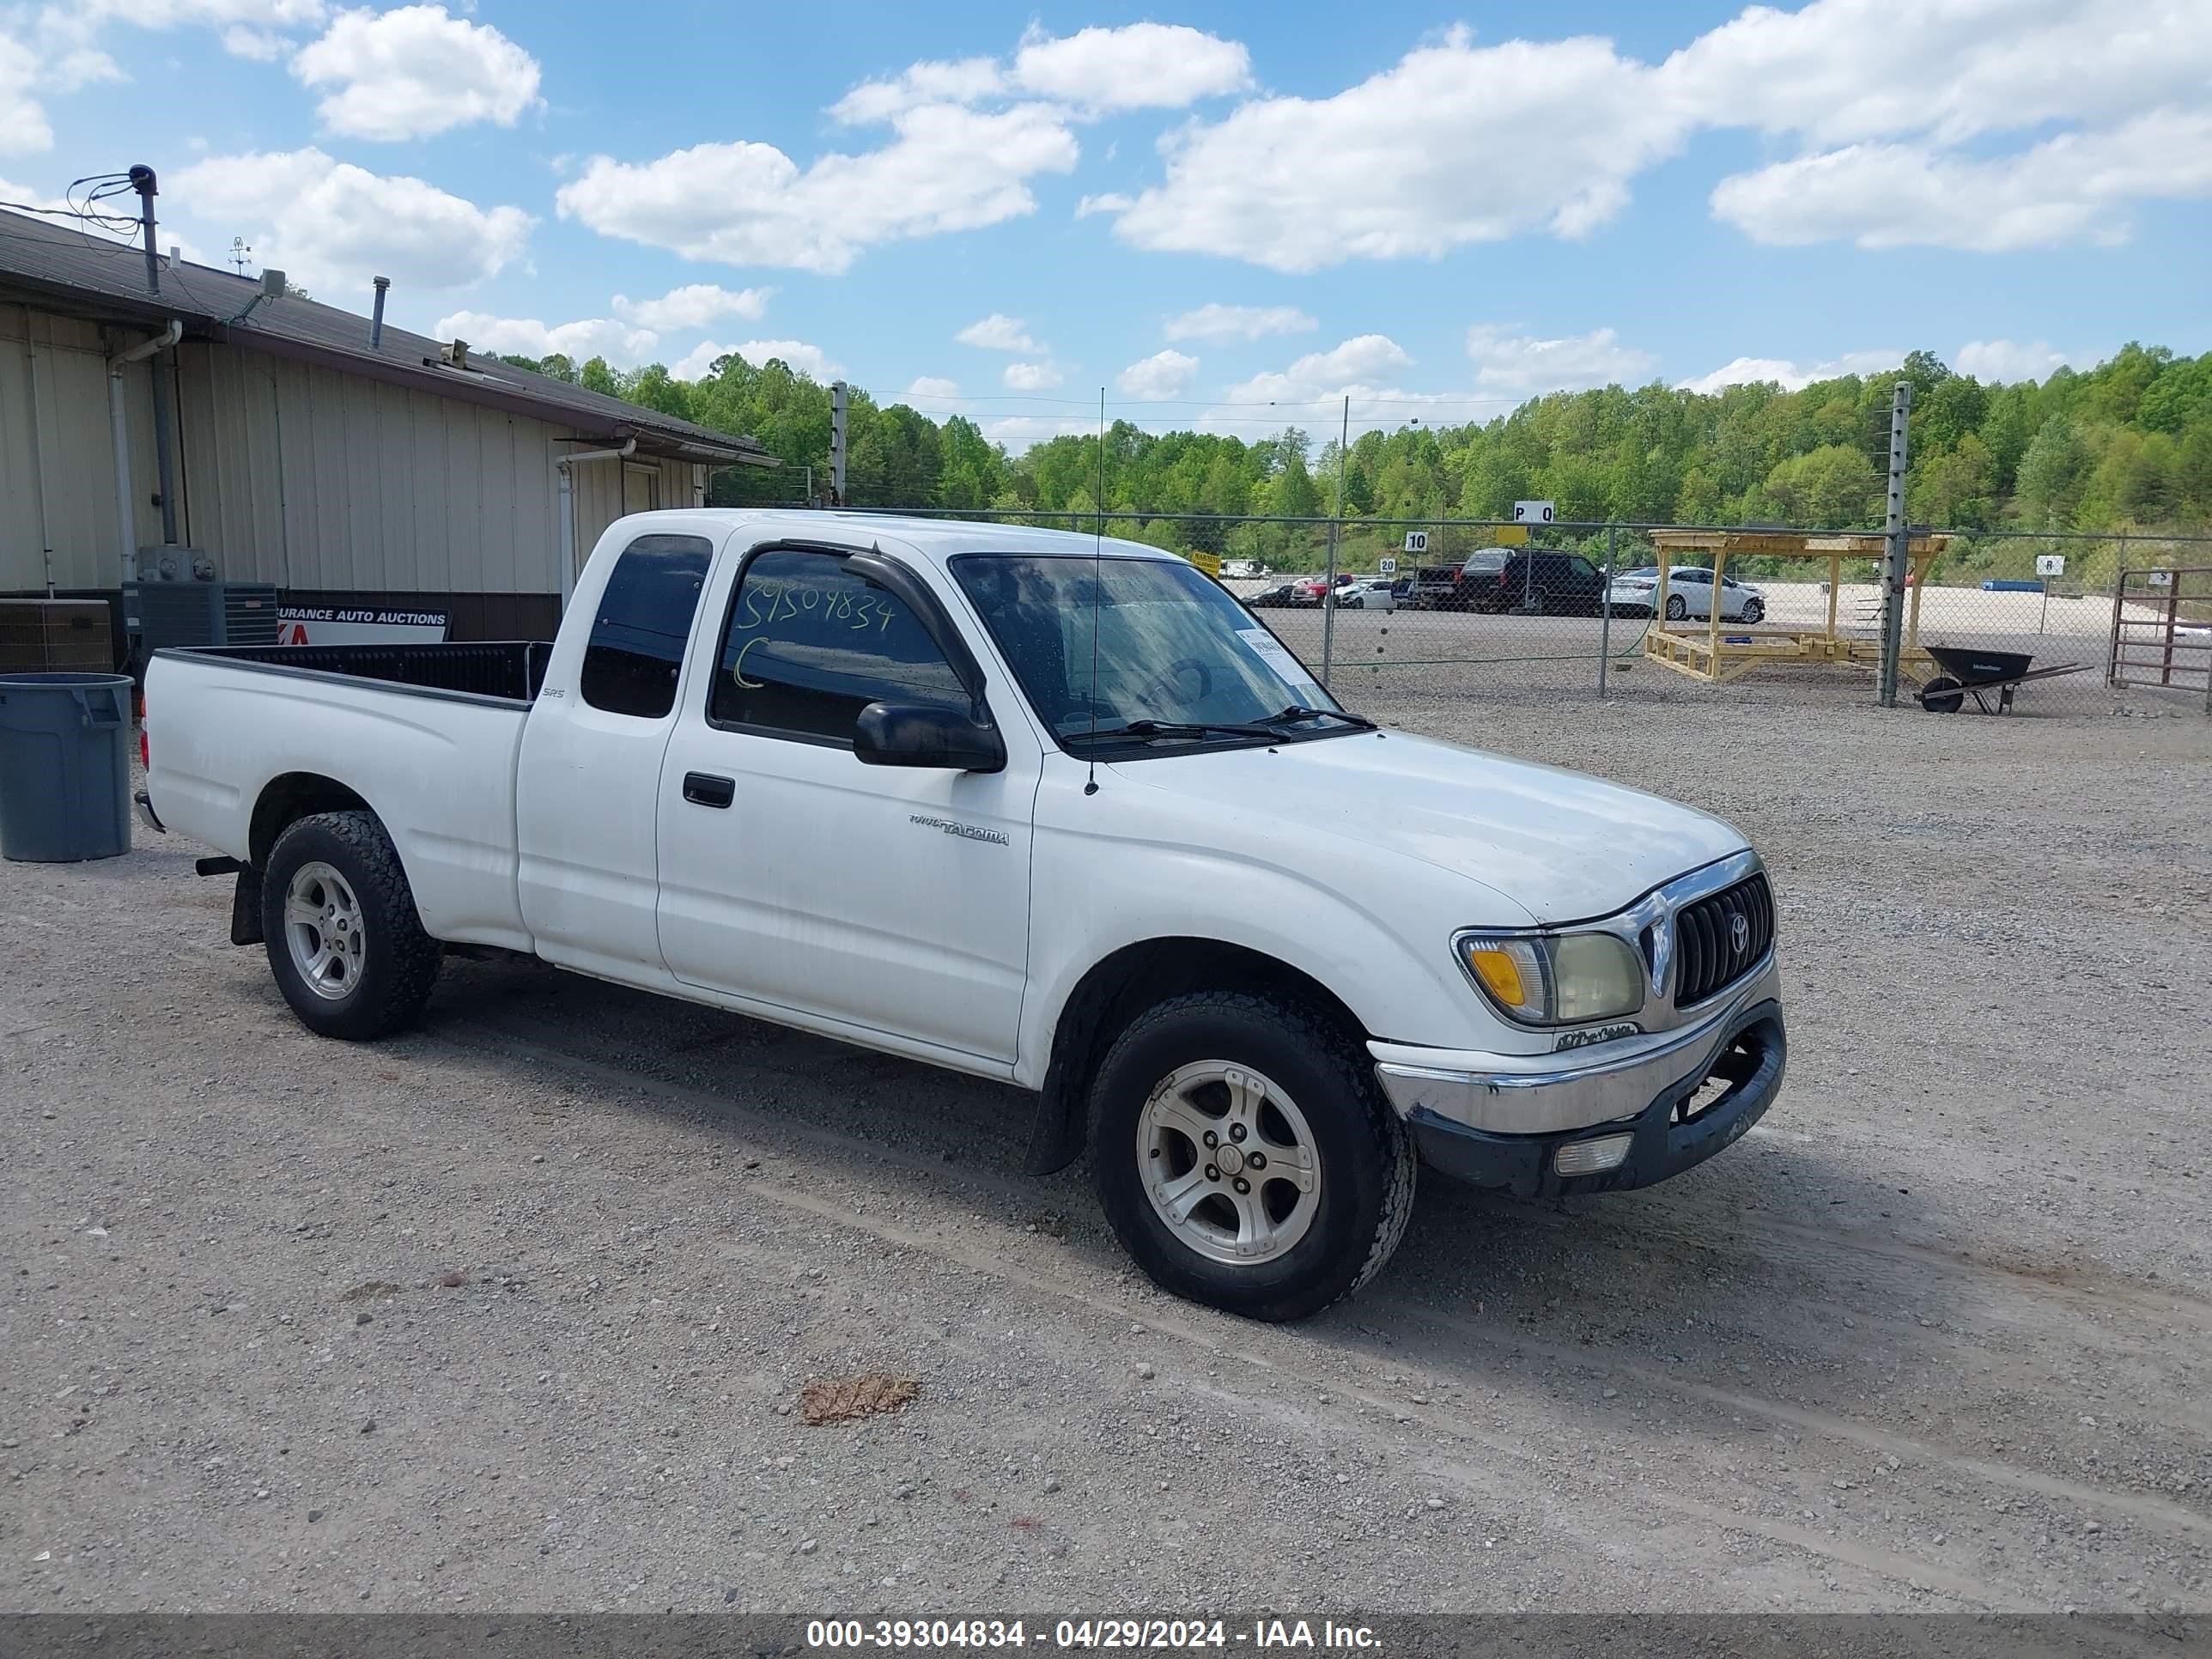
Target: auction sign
(346, 624)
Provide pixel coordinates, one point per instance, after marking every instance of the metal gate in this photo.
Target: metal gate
(2163, 630)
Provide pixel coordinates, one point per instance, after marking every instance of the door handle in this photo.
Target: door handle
(705, 789)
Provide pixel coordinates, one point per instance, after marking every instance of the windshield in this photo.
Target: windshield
(1172, 647)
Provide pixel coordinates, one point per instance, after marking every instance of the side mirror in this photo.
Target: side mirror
(927, 734)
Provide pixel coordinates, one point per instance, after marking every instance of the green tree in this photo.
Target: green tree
(2052, 474)
(1834, 487)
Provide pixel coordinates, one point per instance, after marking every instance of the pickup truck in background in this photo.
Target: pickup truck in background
(1046, 809)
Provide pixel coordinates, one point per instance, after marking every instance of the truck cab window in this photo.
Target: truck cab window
(808, 645)
(643, 621)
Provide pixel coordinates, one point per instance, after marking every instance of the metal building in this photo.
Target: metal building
(351, 464)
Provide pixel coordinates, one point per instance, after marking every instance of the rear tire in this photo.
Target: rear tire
(1272, 1075)
(1676, 609)
(339, 922)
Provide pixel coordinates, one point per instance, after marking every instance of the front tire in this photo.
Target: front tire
(1307, 1185)
(1754, 612)
(344, 941)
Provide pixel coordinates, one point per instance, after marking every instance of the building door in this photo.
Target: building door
(640, 487)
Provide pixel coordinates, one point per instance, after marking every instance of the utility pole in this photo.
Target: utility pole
(157, 365)
(1335, 529)
(837, 444)
(1898, 560)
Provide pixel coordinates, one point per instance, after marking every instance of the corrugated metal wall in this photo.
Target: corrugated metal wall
(291, 473)
(58, 453)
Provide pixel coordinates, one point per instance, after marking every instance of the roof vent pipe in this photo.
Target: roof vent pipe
(376, 315)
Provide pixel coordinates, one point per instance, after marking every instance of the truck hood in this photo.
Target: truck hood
(1564, 847)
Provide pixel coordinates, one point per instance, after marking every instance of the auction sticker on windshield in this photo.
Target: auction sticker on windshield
(1269, 650)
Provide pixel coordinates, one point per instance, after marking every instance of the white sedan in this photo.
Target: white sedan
(1368, 593)
(1689, 593)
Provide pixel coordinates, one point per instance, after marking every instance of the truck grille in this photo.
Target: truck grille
(1718, 940)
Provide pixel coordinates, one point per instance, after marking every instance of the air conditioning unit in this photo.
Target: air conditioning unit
(200, 613)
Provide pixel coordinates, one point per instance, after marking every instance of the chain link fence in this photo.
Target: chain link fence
(1446, 608)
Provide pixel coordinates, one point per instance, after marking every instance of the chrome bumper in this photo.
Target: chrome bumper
(1547, 1094)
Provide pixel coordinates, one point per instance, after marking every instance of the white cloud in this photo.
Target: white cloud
(809, 360)
(694, 306)
(595, 337)
(1032, 377)
(748, 203)
(1221, 324)
(1362, 358)
(1459, 143)
(967, 81)
(1092, 71)
(1139, 66)
(262, 46)
(209, 14)
(24, 128)
(2075, 187)
(999, 332)
(1519, 363)
(1454, 144)
(1018, 432)
(1841, 71)
(2007, 361)
(1787, 374)
(1160, 375)
(331, 225)
(414, 71)
(933, 386)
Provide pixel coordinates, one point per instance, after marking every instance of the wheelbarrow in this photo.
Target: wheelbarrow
(1974, 673)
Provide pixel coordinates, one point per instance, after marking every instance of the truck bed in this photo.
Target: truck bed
(510, 669)
(426, 736)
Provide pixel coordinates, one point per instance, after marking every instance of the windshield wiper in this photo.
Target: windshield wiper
(1152, 728)
(1298, 711)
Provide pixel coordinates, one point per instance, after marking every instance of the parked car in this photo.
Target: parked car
(1309, 590)
(1540, 580)
(1689, 593)
(1029, 806)
(1368, 593)
(1246, 570)
(1450, 587)
(1279, 597)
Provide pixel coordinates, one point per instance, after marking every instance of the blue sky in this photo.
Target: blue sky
(1227, 215)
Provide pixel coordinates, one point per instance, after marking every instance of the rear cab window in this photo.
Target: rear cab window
(642, 624)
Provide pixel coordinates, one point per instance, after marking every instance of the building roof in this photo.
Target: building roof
(86, 274)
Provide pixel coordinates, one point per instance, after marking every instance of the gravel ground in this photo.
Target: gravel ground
(514, 1313)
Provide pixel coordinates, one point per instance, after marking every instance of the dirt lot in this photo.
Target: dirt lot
(514, 1313)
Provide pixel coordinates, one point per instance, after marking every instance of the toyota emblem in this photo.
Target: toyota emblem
(1740, 932)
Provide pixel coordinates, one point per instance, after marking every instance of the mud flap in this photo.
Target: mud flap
(246, 907)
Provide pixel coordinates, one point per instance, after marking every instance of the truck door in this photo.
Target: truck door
(893, 899)
(590, 766)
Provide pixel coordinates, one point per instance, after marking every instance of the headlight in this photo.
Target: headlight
(1555, 979)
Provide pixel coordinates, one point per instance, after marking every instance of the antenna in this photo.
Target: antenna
(1098, 587)
(242, 253)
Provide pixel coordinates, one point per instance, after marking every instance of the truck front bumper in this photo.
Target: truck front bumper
(1629, 1119)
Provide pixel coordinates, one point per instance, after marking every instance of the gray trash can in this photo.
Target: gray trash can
(65, 767)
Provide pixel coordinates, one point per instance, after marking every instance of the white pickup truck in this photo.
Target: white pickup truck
(1051, 811)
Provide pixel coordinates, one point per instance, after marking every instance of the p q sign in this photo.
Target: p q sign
(1532, 512)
